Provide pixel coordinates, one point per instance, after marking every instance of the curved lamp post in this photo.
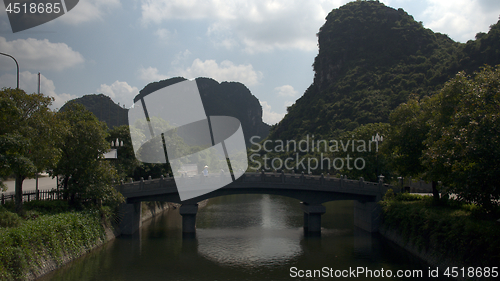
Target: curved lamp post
(377, 138)
(16, 65)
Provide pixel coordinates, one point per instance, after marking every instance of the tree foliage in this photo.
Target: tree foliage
(464, 138)
(408, 132)
(27, 136)
(126, 162)
(85, 174)
(372, 154)
(453, 137)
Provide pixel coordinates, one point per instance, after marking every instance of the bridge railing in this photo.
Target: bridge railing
(268, 177)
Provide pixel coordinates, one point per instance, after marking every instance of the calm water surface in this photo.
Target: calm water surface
(241, 237)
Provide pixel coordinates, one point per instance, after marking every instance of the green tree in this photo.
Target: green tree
(407, 133)
(464, 139)
(12, 151)
(139, 130)
(408, 139)
(8, 113)
(85, 174)
(371, 155)
(126, 162)
(27, 134)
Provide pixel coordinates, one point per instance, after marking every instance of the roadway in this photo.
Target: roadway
(44, 182)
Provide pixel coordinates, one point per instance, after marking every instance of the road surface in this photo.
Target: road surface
(44, 182)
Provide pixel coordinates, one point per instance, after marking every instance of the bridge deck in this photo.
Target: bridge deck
(307, 188)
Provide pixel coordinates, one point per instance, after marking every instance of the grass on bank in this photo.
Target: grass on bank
(459, 231)
(49, 231)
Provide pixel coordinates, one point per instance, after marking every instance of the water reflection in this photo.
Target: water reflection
(239, 237)
(254, 233)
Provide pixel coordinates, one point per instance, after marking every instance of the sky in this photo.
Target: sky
(116, 47)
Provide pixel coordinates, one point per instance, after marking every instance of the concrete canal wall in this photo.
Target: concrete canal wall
(149, 211)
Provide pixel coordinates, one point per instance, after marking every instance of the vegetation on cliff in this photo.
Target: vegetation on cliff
(103, 108)
(371, 58)
(225, 99)
(378, 71)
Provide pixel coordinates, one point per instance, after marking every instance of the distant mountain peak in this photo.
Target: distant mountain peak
(104, 108)
(225, 99)
(371, 58)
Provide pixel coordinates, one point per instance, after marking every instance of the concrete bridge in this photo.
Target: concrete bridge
(312, 191)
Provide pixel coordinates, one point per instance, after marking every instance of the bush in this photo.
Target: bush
(8, 219)
(453, 231)
(49, 237)
(409, 197)
(48, 206)
(9, 205)
(389, 195)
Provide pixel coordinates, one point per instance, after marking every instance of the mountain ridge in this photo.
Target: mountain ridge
(224, 99)
(371, 59)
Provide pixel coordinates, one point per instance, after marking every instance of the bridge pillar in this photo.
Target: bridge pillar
(188, 213)
(367, 215)
(131, 221)
(312, 217)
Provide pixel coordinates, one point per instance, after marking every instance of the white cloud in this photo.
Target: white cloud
(151, 74)
(157, 11)
(29, 83)
(288, 103)
(181, 57)
(90, 10)
(257, 26)
(225, 71)
(165, 35)
(286, 91)
(460, 19)
(221, 35)
(270, 117)
(120, 92)
(265, 25)
(34, 54)
(61, 99)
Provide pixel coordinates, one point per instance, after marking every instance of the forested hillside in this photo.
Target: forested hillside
(103, 108)
(371, 59)
(225, 99)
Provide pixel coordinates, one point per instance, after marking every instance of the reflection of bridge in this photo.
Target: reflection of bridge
(312, 191)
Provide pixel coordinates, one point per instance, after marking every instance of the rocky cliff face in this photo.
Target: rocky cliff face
(104, 109)
(225, 99)
(371, 59)
(367, 35)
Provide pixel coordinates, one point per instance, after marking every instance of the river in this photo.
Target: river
(244, 237)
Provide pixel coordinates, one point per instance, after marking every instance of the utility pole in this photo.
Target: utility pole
(17, 87)
(36, 176)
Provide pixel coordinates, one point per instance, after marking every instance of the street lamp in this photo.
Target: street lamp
(377, 138)
(117, 143)
(16, 65)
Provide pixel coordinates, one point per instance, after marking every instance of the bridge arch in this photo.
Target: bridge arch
(312, 191)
